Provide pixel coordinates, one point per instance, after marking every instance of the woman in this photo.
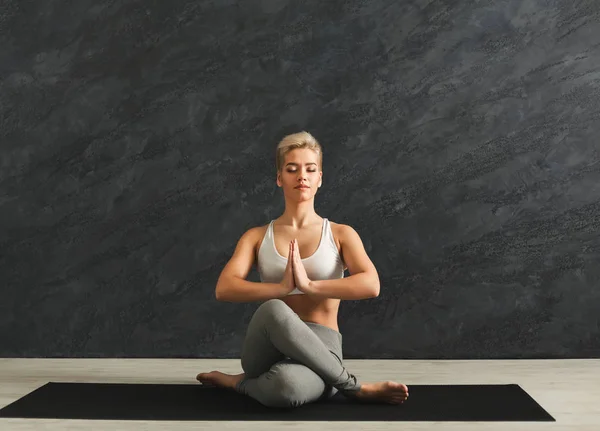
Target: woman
(292, 353)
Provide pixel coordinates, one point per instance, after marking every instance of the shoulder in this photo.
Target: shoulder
(257, 232)
(344, 232)
(353, 251)
(256, 235)
(260, 229)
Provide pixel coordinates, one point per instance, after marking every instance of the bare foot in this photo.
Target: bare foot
(387, 392)
(220, 379)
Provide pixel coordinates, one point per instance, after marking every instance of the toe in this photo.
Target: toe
(400, 386)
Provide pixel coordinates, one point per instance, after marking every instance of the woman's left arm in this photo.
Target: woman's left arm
(363, 281)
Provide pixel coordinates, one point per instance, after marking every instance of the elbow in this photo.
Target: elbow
(219, 293)
(221, 289)
(225, 290)
(376, 289)
(221, 297)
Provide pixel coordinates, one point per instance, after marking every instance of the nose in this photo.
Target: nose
(302, 176)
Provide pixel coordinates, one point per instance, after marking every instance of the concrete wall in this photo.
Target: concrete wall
(460, 140)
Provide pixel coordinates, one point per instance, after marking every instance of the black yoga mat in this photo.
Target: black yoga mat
(184, 402)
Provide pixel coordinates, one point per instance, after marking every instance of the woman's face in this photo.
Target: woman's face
(300, 168)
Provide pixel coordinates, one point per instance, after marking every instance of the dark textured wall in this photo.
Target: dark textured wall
(460, 140)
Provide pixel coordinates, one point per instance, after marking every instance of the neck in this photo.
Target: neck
(299, 215)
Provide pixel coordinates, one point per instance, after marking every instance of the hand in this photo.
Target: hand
(300, 276)
(288, 284)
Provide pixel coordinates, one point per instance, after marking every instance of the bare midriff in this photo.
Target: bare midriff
(323, 311)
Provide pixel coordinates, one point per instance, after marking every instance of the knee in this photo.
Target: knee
(293, 385)
(275, 308)
(286, 393)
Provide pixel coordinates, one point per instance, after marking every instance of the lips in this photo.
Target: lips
(302, 187)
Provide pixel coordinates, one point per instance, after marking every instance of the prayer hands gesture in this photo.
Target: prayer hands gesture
(295, 273)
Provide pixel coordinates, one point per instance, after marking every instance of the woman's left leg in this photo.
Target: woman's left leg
(276, 332)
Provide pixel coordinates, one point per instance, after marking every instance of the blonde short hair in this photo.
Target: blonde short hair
(297, 140)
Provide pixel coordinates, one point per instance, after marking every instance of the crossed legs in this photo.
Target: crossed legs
(286, 364)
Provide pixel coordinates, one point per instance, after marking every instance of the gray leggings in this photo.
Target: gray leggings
(289, 362)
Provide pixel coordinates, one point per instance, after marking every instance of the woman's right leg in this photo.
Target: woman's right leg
(276, 333)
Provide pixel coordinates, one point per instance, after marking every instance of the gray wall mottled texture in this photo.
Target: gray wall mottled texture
(460, 140)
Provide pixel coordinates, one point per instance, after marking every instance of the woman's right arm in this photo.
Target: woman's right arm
(232, 285)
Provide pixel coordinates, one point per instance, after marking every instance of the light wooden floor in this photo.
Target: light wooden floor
(568, 389)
